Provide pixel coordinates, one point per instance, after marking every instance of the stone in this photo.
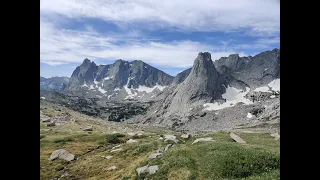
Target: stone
(111, 168)
(109, 157)
(276, 136)
(153, 156)
(88, 129)
(46, 120)
(51, 124)
(167, 147)
(203, 140)
(132, 141)
(152, 169)
(142, 169)
(170, 137)
(116, 146)
(62, 154)
(185, 136)
(147, 169)
(115, 150)
(237, 138)
(131, 134)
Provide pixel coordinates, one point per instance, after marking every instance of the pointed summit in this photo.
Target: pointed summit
(202, 85)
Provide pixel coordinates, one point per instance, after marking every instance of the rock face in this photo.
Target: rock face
(253, 71)
(181, 76)
(202, 84)
(54, 83)
(62, 154)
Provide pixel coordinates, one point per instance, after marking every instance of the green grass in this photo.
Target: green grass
(63, 140)
(222, 159)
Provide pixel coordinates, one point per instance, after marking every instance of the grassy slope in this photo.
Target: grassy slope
(222, 159)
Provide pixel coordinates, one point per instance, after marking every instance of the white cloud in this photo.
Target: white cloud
(65, 46)
(61, 46)
(259, 17)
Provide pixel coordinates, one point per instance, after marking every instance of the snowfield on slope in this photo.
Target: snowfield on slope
(232, 97)
(273, 85)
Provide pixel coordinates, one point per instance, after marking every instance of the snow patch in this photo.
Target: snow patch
(116, 89)
(85, 85)
(272, 96)
(128, 90)
(262, 89)
(232, 97)
(249, 115)
(275, 85)
(101, 90)
(107, 78)
(95, 82)
(148, 89)
(91, 87)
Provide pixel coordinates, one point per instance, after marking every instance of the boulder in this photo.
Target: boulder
(170, 137)
(132, 141)
(203, 140)
(185, 136)
(153, 156)
(88, 129)
(109, 157)
(237, 138)
(276, 136)
(167, 147)
(62, 154)
(111, 168)
(115, 150)
(147, 169)
(46, 120)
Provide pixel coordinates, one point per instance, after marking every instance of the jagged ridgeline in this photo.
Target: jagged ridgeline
(225, 89)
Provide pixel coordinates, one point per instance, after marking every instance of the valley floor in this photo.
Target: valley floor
(222, 158)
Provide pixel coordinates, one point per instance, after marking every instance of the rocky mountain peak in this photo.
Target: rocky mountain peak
(202, 85)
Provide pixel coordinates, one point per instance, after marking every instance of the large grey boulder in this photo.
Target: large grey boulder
(62, 154)
(237, 138)
(147, 169)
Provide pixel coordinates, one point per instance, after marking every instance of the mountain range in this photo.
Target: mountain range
(53, 83)
(230, 90)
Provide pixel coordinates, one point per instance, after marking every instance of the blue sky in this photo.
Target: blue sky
(166, 34)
